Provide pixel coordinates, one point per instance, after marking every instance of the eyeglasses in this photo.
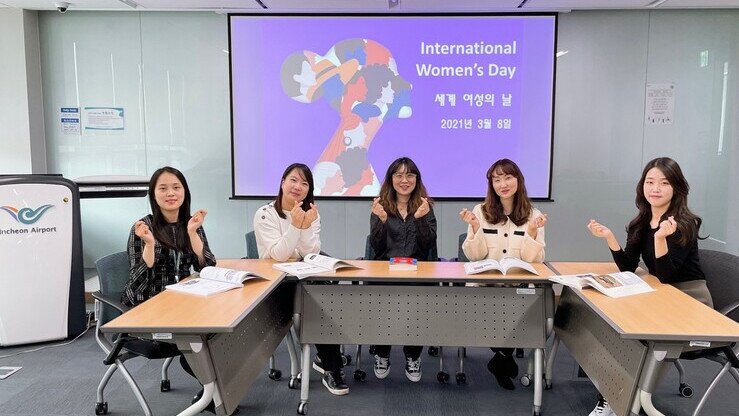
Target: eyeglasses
(406, 176)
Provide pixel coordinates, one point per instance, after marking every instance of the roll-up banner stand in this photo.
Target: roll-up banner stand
(41, 282)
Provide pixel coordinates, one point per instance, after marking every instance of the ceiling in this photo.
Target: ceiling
(391, 6)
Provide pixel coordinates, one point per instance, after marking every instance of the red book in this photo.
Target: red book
(403, 263)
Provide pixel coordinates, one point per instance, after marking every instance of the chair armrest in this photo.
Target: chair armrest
(110, 301)
(729, 309)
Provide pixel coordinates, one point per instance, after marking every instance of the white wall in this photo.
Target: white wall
(22, 141)
(170, 72)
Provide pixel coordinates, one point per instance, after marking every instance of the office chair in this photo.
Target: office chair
(722, 278)
(113, 273)
(290, 339)
(359, 374)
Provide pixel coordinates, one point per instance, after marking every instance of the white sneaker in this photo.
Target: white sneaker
(413, 369)
(382, 367)
(602, 408)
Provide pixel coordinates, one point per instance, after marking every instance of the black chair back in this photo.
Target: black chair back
(113, 274)
(460, 252)
(251, 246)
(722, 278)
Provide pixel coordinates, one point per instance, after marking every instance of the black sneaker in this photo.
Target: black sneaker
(602, 408)
(334, 382)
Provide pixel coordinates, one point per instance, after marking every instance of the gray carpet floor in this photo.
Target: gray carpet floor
(63, 381)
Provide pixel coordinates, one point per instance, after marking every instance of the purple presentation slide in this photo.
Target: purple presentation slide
(347, 95)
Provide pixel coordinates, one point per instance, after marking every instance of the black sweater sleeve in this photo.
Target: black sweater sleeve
(378, 235)
(627, 259)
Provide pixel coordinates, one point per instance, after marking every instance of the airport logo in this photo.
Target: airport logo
(26, 216)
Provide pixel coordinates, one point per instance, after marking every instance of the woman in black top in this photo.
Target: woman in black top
(664, 234)
(402, 224)
(165, 245)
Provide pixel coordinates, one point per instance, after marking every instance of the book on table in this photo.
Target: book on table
(313, 264)
(213, 280)
(502, 265)
(615, 285)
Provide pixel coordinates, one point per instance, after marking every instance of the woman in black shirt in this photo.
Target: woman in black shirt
(164, 246)
(402, 224)
(664, 234)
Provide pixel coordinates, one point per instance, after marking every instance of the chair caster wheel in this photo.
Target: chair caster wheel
(686, 390)
(165, 386)
(293, 383)
(303, 409)
(360, 375)
(461, 379)
(525, 380)
(275, 374)
(434, 351)
(547, 384)
(442, 376)
(346, 359)
(101, 408)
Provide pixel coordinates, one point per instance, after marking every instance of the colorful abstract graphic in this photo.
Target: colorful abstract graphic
(359, 79)
(26, 216)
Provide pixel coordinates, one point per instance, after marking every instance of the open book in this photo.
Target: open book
(312, 265)
(615, 285)
(213, 280)
(505, 264)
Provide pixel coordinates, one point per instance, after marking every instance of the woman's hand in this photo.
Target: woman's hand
(470, 218)
(297, 215)
(379, 210)
(536, 223)
(143, 232)
(423, 209)
(666, 228)
(599, 230)
(310, 216)
(196, 221)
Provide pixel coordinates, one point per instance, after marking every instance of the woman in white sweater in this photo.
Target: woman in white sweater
(289, 228)
(504, 225)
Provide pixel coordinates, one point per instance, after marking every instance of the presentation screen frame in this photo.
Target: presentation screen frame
(380, 170)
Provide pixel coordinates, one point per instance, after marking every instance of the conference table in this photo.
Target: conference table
(623, 344)
(226, 338)
(417, 308)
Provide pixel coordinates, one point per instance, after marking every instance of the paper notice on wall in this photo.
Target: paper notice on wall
(102, 118)
(69, 119)
(660, 105)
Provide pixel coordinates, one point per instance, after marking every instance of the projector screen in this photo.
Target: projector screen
(347, 95)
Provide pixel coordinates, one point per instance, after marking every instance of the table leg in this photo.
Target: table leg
(305, 383)
(550, 363)
(653, 367)
(200, 405)
(538, 377)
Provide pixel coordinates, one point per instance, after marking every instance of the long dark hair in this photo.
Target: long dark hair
(388, 196)
(688, 223)
(305, 171)
(181, 240)
(492, 208)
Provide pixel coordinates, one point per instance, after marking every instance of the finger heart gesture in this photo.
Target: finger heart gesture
(423, 209)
